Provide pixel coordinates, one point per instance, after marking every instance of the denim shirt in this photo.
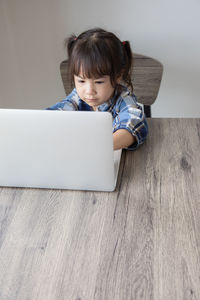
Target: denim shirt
(127, 113)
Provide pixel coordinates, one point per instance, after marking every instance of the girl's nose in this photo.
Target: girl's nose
(91, 89)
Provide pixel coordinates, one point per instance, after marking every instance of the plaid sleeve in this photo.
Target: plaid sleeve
(69, 103)
(130, 116)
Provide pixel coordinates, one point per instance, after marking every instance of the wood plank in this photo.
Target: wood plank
(172, 183)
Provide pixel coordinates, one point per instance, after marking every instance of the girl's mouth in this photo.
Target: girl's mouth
(91, 100)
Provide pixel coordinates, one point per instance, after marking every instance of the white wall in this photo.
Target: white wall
(31, 47)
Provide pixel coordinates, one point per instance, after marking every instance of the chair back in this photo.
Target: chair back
(146, 78)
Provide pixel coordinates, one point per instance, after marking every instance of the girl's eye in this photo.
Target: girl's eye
(81, 81)
(99, 82)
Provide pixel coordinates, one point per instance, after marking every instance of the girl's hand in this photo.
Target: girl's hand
(122, 138)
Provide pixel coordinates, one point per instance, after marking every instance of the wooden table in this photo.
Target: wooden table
(140, 242)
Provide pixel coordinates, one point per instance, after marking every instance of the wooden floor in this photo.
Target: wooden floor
(140, 242)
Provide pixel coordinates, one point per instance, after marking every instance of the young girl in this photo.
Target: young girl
(100, 67)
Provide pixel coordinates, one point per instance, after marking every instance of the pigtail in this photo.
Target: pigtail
(128, 57)
(69, 44)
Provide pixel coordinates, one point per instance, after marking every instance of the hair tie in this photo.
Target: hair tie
(124, 43)
(75, 38)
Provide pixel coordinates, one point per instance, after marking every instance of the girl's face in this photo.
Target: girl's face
(94, 91)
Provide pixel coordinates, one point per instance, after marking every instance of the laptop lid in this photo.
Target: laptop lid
(57, 149)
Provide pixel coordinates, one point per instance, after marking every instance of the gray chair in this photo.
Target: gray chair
(146, 79)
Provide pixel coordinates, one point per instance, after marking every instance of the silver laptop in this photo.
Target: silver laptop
(57, 150)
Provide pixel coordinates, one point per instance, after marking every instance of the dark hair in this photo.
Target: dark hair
(96, 53)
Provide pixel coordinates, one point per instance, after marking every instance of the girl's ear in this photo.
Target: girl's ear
(119, 78)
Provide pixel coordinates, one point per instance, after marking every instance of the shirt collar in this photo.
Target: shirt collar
(107, 106)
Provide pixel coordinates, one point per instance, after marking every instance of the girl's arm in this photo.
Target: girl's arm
(69, 103)
(122, 138)
(131, 119)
